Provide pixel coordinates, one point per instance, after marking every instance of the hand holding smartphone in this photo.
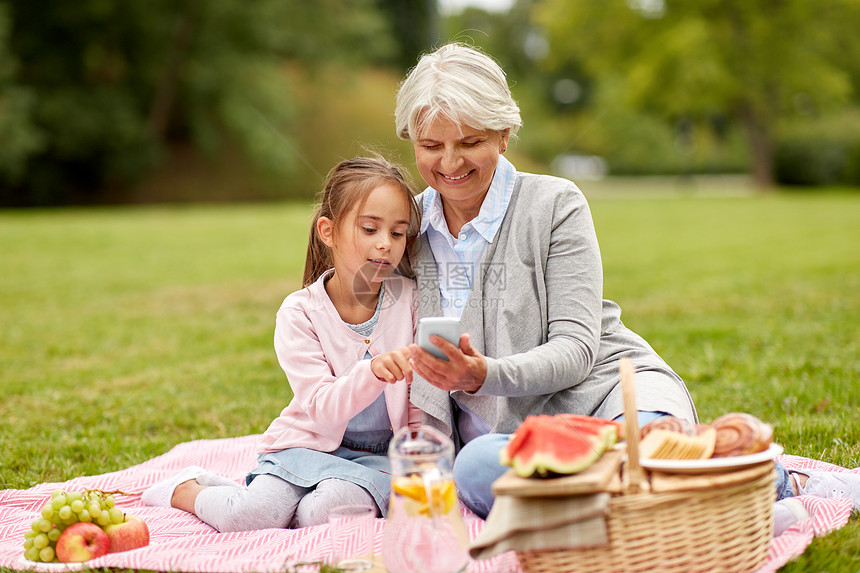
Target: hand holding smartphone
(446, 327)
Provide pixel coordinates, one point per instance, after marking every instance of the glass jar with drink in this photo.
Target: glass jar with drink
(424, 530)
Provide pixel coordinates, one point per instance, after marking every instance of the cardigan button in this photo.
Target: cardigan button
(367, 341)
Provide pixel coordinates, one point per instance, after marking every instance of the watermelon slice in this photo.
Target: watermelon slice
(577, 422)
(546, 445)
(580, 421)
(517, 440)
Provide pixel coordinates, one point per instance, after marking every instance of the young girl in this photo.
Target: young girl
(342, 342)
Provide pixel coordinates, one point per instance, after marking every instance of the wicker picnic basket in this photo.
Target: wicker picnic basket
(707, 523)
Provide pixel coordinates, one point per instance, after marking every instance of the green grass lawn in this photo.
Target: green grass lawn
(129, 330)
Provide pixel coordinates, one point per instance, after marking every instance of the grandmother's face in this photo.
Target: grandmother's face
(457, 160)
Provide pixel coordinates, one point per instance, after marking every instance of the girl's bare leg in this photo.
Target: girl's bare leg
(186, 494)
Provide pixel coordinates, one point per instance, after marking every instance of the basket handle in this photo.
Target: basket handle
(635, 474)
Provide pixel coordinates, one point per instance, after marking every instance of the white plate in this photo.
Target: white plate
(710, 464)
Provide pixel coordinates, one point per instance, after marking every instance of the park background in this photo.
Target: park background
(165, 101)
(158, 160)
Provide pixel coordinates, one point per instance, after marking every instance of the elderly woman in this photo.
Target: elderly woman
(515, 257)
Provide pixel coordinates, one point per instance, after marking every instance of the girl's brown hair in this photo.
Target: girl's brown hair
(347, 187)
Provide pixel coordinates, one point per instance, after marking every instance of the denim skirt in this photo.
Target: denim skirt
(306, 468)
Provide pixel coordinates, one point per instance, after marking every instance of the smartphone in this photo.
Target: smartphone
(446, 327)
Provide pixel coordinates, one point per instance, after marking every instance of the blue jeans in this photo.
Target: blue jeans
(783, 482)
(477, 466)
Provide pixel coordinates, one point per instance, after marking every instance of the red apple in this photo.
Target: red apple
(130, 534)
(82, 541)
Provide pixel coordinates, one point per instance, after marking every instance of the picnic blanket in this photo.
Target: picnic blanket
(180, 542)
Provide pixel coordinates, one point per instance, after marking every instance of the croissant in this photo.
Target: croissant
(670, 423)
(739, 433)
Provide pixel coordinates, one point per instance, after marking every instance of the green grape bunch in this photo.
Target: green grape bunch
(64, 509)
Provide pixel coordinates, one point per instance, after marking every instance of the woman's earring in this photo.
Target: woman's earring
(504, 149)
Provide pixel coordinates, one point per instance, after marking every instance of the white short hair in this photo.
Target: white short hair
(460, 83)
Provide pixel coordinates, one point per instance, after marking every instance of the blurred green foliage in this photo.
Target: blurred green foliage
(20, 136)
(195, 100)
(707, 61)
(92, 92)
(568, 108)
(825, 151)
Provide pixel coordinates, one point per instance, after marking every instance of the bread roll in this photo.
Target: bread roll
(669, 423)
(739, 433)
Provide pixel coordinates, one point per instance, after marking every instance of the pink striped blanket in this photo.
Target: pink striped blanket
(180, 542)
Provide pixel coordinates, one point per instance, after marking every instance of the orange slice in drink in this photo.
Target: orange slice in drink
(443, 494)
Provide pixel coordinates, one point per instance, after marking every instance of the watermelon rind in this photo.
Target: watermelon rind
(547, 466)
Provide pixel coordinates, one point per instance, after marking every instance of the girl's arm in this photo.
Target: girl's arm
(326, 399)
(392, 366)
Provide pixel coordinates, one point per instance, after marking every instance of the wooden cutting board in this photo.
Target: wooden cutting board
(593, 479)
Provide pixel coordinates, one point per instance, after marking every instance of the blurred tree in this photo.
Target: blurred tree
(551, 100)
(699, 59)
(503, 35)
(414, 26)
(92, 92)
(20, 137)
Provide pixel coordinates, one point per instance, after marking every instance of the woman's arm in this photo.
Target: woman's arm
(571, 302)
(561, 250)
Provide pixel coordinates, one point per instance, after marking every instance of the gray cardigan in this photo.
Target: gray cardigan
(536, 312)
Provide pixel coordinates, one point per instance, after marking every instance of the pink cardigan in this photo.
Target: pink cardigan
(324, 362)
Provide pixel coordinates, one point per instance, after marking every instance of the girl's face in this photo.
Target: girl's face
(458, 161)
(370, 241)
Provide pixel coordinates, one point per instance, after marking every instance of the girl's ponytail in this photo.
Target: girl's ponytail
(318, 258)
